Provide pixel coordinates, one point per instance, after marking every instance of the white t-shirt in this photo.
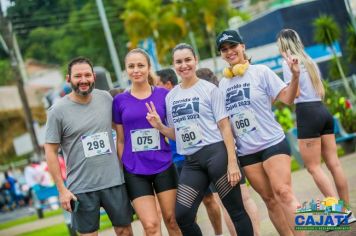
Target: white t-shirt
(33, 175)
(248, 101)
(307, 91)
(194, 114)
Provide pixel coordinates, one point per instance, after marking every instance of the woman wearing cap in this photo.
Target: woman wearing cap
(262, 148)
(314, 122)
(198, 121)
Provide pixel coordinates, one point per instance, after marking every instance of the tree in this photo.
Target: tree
(54, 31)
(327, 32)
(6, 77)
(209, 12)
(214, 17)
(149, 18)
(351, 44)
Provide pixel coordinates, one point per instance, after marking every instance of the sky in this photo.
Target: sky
(4, 4)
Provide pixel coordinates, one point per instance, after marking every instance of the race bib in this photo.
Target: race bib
(145, 140)
(96, 144)
(189, 135)
(244, 122)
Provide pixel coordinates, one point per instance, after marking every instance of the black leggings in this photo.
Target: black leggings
(208, 165)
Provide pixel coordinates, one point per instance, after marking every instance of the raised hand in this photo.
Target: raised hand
(152, 116)
(292, 62)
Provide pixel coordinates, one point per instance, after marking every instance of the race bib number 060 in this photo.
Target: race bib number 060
(145, 140)
(96, 144)
(243, 122)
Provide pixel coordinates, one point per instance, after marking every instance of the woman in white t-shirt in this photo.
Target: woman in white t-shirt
(314, 122)
(261, 144)
(198, 121)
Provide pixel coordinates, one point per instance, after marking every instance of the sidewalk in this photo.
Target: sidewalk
(303, 186)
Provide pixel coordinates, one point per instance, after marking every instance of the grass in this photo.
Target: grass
(55, 230)
(28, 219)
(61, 229)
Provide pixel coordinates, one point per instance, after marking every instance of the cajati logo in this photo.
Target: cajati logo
(328, 214)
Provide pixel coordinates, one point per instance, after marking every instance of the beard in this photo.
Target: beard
(77, 90)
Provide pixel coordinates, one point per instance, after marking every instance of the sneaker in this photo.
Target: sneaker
(351, 218)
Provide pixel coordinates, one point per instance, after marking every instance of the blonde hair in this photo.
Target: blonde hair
(151, 77)
(289, 39)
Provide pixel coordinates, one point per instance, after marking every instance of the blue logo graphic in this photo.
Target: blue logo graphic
(328, 214)
(185, 108)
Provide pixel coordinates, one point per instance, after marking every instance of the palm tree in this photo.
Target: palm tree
(149, 18)
(210, 12)
(327, 32)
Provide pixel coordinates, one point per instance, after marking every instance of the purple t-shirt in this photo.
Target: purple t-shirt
(130, 112)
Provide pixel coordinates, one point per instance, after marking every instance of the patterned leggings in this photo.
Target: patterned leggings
(208, 165)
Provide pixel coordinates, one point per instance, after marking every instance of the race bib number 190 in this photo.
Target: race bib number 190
(190, 135)
(96, 144)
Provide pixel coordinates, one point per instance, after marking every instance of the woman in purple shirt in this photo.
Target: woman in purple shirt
(145, 154)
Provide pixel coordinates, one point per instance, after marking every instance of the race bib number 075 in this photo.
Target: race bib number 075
(145, 140)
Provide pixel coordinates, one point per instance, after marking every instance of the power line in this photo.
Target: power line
(23, 29)
(25, 18)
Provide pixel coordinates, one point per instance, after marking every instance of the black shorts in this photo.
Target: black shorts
(261, 156)
(143, 185)
(313, 120)
(115, 202)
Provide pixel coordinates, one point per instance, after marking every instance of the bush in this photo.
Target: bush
(284, 116)
(341, 107)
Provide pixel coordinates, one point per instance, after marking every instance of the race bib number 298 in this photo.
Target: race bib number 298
(96, 144)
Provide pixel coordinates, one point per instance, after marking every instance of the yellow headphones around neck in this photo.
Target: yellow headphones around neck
(236, 70)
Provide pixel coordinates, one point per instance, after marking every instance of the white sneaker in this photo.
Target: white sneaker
(351, 218)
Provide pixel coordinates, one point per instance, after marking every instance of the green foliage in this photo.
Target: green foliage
(326, 30)
(284, 116)
(338, 105)
(334, 72)
(351, 44)
(294, 165)
(56, 31)
(41, 47)
(146, 18)
(7, 74)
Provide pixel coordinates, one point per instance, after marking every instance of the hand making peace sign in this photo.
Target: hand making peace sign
(292, 62)
(152, 116)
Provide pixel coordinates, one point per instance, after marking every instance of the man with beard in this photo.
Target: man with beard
(80, 123)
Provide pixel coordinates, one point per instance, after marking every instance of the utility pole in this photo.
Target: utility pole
(7, 36)
(351, 15)
(113, 53)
